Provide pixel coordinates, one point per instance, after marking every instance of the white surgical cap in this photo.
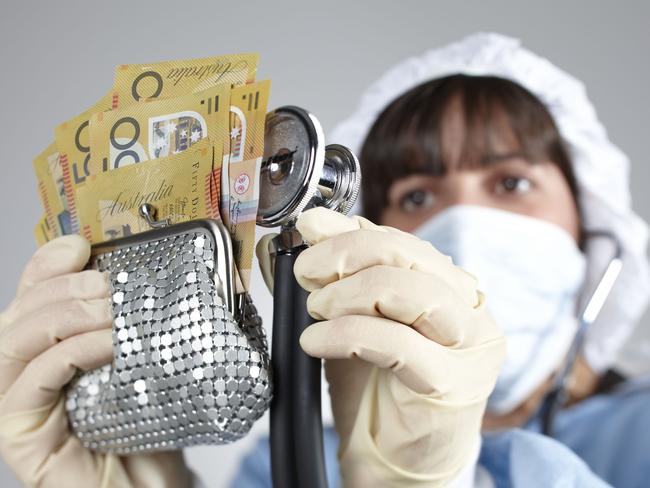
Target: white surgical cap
(601, 169)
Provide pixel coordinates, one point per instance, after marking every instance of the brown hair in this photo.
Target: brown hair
(406, 137)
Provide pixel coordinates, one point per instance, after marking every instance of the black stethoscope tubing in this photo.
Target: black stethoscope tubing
(296, 428)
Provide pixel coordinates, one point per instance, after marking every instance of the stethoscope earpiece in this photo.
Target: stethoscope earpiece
(557, 397)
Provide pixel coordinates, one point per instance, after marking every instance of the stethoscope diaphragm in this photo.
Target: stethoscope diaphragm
(298, 171)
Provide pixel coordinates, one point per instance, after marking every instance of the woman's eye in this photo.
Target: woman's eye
(417, 200)
(513, 185)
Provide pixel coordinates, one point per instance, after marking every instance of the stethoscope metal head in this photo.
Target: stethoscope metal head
(299, 172)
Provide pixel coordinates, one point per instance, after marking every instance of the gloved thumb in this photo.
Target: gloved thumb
(264, 258)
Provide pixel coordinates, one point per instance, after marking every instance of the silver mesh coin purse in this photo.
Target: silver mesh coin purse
(190, 363)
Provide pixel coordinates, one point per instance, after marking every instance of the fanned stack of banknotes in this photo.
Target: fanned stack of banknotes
(186, 136)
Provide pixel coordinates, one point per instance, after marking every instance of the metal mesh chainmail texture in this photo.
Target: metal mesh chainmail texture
(184, 371)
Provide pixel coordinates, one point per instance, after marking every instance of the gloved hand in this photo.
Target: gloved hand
(60, 320)
(411, 352)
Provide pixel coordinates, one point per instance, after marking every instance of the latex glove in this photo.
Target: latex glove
(59, 321)
(412, 353)
(264, 259)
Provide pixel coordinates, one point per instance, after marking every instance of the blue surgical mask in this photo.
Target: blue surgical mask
(531, 272)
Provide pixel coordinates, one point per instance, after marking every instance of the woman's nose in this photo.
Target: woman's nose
(464, 189)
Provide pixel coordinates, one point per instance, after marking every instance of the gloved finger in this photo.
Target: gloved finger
(65, 254)
(264, 259)
(420, 300)
(319, 224)
(422, 365)
(20, 342)
(84, 285)
(43, 378)
(345, 254)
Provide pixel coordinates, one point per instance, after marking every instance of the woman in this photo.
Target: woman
(412, 351)
(496, 158)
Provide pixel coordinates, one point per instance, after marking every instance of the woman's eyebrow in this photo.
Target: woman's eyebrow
(503, 157)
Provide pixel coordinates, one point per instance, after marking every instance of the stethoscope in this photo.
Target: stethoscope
(557, 395)
(298, 172)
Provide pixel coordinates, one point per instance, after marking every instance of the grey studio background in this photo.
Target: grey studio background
(57, 59)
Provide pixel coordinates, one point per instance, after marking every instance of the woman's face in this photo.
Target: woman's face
(508, 183)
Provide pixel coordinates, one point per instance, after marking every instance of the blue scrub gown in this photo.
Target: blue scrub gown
(514, 458)
(603, 440)
(611, 433)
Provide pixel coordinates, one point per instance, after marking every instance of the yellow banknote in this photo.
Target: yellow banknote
(135, 82)
(157, 129)
(48, 192)
(43, 232)
(73, 141)
(240, 177)
(178, 187)
(55, 171)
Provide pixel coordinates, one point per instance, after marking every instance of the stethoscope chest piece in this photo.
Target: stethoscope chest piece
(298, 171)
